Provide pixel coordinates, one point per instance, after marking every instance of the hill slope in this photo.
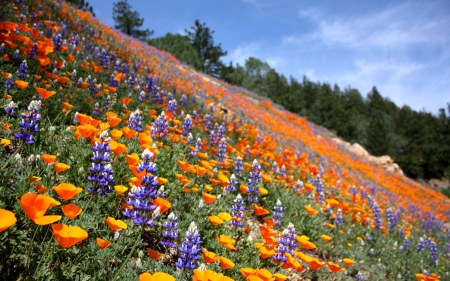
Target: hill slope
(309, 208)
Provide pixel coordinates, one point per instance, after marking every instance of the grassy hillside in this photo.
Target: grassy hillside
(119, 163)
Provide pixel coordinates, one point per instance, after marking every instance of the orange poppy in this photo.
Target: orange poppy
(215, 220)
(61, 167)
(132, 159)
(34, 179)
(115, 224)
(71, 210)
(310, 210)
(116, 134)
(304, 243)
(102, 244)
(129, 133)
(126, 101)
(208, 256)
(325, 238)
(21, 84)
(44, 93)
(209, 198)
(226, 241)
(224, 216)
(67, 236)
(154, 254)
(163, 204)
(334, 267)
(67, 191)
(40, 188)
(260, 211)
(209, 275)
(120, 189)
(348, 262)
(157, 276)
(266, 252)
(35, 206)
(226, 263)
(184, 165)
(316, 264)
(7, 219)
(48, 158)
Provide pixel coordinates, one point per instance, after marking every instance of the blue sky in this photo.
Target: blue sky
(401, 47)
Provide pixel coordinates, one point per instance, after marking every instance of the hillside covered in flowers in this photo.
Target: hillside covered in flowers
(117, 162)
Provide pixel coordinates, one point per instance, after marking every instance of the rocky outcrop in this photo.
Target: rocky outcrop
(385, 161)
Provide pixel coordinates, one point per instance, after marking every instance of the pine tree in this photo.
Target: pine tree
(82, 5)
(129, 21)
(202, 40)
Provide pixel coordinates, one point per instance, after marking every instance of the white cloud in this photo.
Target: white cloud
(243, 52)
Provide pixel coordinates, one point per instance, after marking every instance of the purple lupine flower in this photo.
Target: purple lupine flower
(405, 246)
(74, 75)
(28, 124)
(22, 71)
(298, 186)
(253, 181)
(170, 234)
(222, 151)
(16, 56)
(376, 215)
(107, 103)
(161, 192)
(97, 111)
(101, 171)
(247, 150)
(237, 212)
(207, 121)
(113, 82)
(78, 84)
(274, 166)
(220, 132)
(433, 253)
(57, 42)
(199, 144)
(141, 198)
(339, 217)
(391, 218)
(172, 106)
(352, 190)
(32, 51)
(278, 212)
(187, 125)
(9, 83)
(231, 185)
(421, 245)
(142, 96)
(359, 277)
(135, 121)
(285, 244)
(189, 139)
(104, 58)
(2, 47)
(190, 249)
(183, 101)
(283, 171)
(195, 117)
(9, 108)
(238, 167)
(160, 127)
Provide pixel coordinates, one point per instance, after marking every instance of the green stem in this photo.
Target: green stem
(29, 249)
(129, 255)
(12, 157)
(44, 256)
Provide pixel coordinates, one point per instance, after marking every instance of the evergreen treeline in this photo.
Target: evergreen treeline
(418, 141)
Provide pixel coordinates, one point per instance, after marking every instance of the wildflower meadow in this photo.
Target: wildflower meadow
(117, 162)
